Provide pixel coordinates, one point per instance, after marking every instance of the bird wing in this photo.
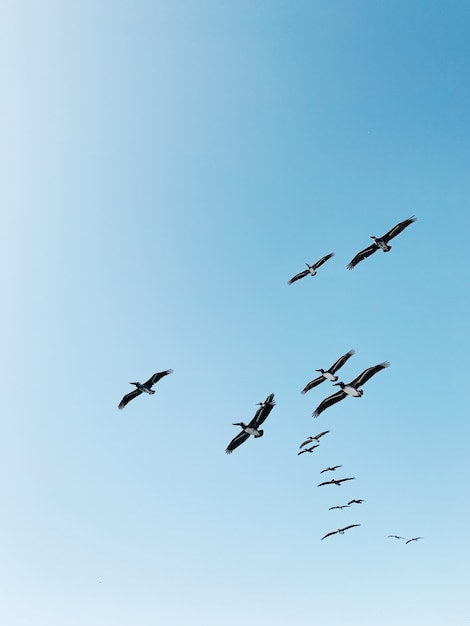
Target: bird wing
(341, 361)
(317, 437)
(334, 532)
(263, 412)
(342, 480)
(128, 397)
(363, 254)
(368, 373)
(156, 377)
(301, 452)
(355, 502)
(308, 440)
(350, 526)
(237, 441)
(327, 482)
(298, 277)
(396, 537)
(313, 447)
(327, 402)
(313, 383)
(413, 539)
(396, 230)
(323, 260)
(333, 507)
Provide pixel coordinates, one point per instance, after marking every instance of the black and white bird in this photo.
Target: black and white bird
(330, 469)
(413, 539)
(341, 506)
(336, 481)
(381, 242)
(311, 449)
(397, 537)
(311, 269)
(328, 374)
(340, 531)
(252, 428)
(355, 502)
(351, 389)
(316, 438)
(143, 387)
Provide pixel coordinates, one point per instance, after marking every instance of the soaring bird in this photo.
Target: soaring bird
(336, 481)
(413, 539)
(342, 506)
(316, 438)
(252, 428)
(311, 269)
(356, 501)
(311, 449)
(143, 388)
(339, 531)
(330, 469)
(351, 389)
(328, 374)
(397, 537)
(381, 242)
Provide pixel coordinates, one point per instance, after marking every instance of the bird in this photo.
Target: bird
(356, 502)
(252, 427)
(311, 449)
(397, 537)
(351, 389)
(339, 531)
(330, 469)
(143, 387)
(336, 481)
(342, 506)
(311, 269)
(381, 242)
(316, 438)
(413, 539)
(328, 374)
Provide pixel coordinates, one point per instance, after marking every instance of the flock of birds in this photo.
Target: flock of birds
(252, 428)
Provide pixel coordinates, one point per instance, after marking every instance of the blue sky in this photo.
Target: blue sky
(167, 167)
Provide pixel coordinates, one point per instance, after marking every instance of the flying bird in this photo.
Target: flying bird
(396, 537)
(342, 506)
(252, 428)
(381, 242)
(336, 481)
(143, 387)
(339, 531)
(351, 389)
(330, 469)
(328, 374)
(311, 449)
(316, 438)
(356, 501)
(413, 539)
(311, 269)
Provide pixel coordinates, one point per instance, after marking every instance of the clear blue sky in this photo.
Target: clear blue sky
(166, 168)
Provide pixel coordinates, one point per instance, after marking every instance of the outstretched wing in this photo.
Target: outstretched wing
(323, 260)
(327, 482)
(156, 377)
(396, 230)
(128, 397)
(368, 373)
(317, 437)
(327, 402)
(363, 254)
(298, 277)
(343, 480)
(313, 383)
(263, 412)
(341, 361)
(329, 534)
(350, 526)
(237, 441)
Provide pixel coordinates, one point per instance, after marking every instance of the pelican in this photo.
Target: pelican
(351, 389)
(413, 539)
(143, 388)
(252, 427)
(316, 438)
(311, 449)
(355, 502)
(381, 242)
(311, 269)
(342, 506)
(397, 537)
(328, 374)
(330, 469)
(339, 531)
(336, 481)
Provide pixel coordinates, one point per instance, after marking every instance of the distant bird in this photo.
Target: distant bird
(356, 501)
(330, 469)
(316, 438)
(396, 537)
(381, 242)
(311, 269)
(328, 374)
(335, 481)
(311, 449)
(143, 387)
(339, 531)
(413, 539)
(342, 506)
(351, 389)
(253, 427)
